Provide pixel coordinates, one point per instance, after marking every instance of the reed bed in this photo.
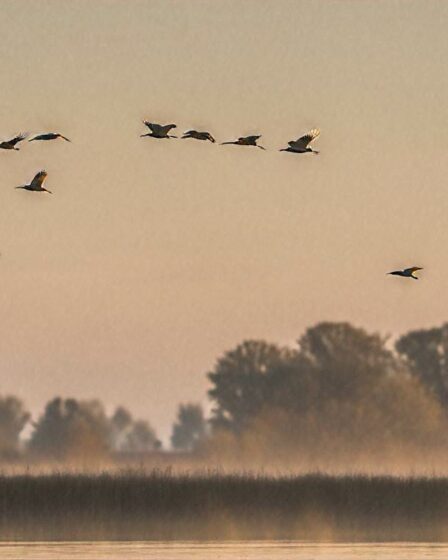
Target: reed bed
(213, 506)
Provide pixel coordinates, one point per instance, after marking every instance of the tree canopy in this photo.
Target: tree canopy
(341, 392)
(190, 428)
(13, 418)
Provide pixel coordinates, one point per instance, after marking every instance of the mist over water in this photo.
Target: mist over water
(158, 272)
(232, 551)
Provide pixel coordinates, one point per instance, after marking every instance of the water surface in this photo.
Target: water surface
(221, 551)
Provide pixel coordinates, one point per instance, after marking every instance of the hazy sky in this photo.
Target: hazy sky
(153, 257)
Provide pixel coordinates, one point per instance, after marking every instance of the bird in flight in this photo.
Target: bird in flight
(407, 272)
(246, 141)
(11, 144)
(49, 136)
(36, 183)
(198, 135)
(301, 145)
(159, 130)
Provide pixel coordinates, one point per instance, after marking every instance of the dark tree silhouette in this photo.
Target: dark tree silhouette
(80, 430)
(426, 352)
(132, 436)
(190, 427)
(344, 360)
(71, 429)
(342, 394)
(121, 419)
(240, 382)
(141, 438)
(121, 423)
(13, 418)
(334, 361)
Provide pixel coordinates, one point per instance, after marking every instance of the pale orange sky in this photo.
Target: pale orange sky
(153, 257)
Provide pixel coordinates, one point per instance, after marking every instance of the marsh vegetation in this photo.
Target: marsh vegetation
(216, 506)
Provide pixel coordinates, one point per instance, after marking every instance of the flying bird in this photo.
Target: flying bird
(159, 130)
(407, 272)
(11, 144)
(49, 136)
(36, 183)
(198, 135)
(246, 141)
(301, 145)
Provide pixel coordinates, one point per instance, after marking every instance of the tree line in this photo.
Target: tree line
(340, 396)
(71, 429)
(339, 392)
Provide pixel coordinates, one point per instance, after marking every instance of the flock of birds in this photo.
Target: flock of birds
(159, 131)
(299, 146)
(37, 182)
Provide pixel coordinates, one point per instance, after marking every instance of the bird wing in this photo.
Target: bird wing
(17, 139)
(39, 179)
(253, 138)
(64, 138)
(166, 128)
(153, 127)
(38, 137)
(412, 269)
(306, 139)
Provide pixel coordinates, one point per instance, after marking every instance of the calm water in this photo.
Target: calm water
(219, 551)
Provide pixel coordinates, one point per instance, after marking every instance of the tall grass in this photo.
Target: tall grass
(160, 506)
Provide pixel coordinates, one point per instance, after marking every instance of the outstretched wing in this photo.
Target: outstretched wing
(166, 128)
(64, 138)
(39, 179)
(306, 139)
(412, 269)
(17, 139)
(249, 139)
(45, 136)
(158, 128)
(153, 127)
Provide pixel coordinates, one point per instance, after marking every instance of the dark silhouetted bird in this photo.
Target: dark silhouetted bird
(36, 183)
(49, 136)
(407, 272)
(11, 144)
(198, 135)
(159, 130)
(246, 141)
(301, 145)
